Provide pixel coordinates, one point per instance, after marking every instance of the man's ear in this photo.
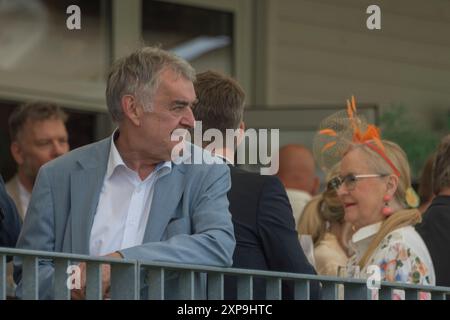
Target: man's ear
(241, 133)
(131, 109)
(392, 184)
(17, 153)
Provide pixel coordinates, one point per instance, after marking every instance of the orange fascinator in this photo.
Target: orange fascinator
(337, 132)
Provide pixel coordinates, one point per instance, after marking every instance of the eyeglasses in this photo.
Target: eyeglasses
(349, 181)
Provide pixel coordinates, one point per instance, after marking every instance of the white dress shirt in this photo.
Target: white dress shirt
(362, 238)
(124, 205)
(24, 197)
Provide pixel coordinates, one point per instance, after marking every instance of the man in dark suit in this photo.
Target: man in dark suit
(9, 219)
(10, 225)
(435, 225)
(265, 234)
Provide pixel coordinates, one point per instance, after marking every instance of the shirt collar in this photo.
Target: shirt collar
(115, 159)
(362, 238)
(22, 190)
(440, 200)
(298, 193)
(366, 232)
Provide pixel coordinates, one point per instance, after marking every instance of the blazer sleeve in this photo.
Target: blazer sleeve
(212, 240)
(38, 234)
(9, 219)
(277, 232)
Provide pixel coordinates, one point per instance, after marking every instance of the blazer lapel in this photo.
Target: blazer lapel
(85, 186)
(85, 193)
(166, 197)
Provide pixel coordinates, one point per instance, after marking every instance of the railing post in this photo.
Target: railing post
(94, 285)
(302, 290)
(245, 287)
(438, 296)
(187, 290)
(3, 280)
(273, 289)
(357, 291)
(30, 284)
(155, 279)
(215, 286)
(124, 280)
(329, 291)
(412, 294)
(61, 288)
(385, 293)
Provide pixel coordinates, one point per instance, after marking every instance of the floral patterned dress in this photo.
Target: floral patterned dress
(402, 256)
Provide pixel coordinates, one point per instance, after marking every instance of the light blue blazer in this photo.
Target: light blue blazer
(189, 220)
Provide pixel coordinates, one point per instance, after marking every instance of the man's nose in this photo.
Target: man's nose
(188, 119)
(59, 148)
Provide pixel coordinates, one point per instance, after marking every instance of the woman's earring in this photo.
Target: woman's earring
(387, 211)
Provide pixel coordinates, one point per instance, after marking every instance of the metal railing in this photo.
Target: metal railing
(130, 279)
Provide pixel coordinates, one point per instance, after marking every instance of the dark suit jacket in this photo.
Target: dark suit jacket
(9, 219)
(435, 232)
(264, 229)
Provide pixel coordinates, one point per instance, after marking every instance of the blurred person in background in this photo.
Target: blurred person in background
(9, 231)
(435, 227)
(9, 219)
(425, 191)
(323, 219)
(297, 172)
(38, 135)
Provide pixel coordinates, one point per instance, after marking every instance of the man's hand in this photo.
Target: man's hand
(80, 294)
(106, 275)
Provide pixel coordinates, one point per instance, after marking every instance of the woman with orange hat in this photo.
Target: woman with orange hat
(374, 186)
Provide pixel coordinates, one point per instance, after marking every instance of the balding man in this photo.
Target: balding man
(297, 171)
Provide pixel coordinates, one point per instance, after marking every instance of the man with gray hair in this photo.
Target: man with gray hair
(435, 225)
(125, 197)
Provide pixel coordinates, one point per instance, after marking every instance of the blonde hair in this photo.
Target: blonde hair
(400, 218)
(321, 209)
(311, 222)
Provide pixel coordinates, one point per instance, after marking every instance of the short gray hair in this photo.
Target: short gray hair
(138, 74)
(441, 166)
